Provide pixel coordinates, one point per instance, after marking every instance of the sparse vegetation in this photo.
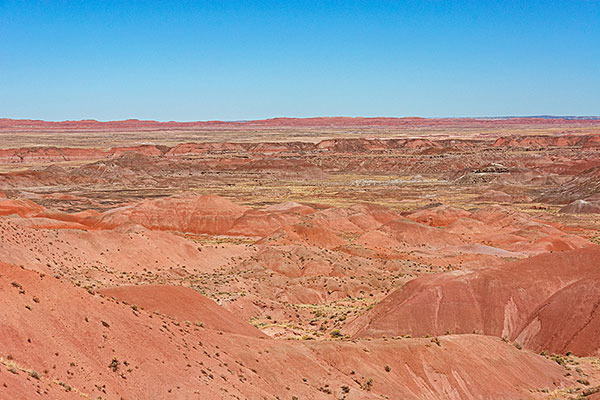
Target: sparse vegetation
(114, 364)
(336, 333)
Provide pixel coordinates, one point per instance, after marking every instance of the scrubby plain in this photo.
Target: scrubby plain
(323, 258)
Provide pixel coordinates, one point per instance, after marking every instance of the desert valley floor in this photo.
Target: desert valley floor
(323, 258)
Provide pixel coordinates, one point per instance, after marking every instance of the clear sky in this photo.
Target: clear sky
(232, 60)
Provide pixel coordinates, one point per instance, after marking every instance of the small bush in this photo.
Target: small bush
(114, 364)
(35, 375)
(336, 333)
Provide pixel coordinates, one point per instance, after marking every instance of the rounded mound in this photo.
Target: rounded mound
(581, 207)
(184, 304)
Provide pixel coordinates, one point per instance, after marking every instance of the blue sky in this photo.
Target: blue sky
(231, 60)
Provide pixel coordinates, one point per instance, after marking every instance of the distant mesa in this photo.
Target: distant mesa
(26, 124)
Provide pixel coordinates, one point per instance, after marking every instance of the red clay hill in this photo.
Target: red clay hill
(547, 302)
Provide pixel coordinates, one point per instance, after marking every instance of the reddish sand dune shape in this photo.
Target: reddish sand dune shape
(184, 304)
(515, 300)
(438, 216)
(355, 219)
(290, 207)
(568, 321)
(259, 223)
(86, 218)
(128, 249)
(582, 207)
(209, 214)
(23, 208)
(380, 230)
(436, 227)
(450, 228)
(407, 231)
(93, 346)
(197, 214)
(306, 233)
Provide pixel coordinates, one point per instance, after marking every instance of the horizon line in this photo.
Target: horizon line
(499, 117)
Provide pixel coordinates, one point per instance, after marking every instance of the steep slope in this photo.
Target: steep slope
(182, 303)
(95, 347)
(503, 301)
(22, 207)
(130, 251)
(569, 320)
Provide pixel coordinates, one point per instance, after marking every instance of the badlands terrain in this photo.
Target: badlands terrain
(321, 258)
